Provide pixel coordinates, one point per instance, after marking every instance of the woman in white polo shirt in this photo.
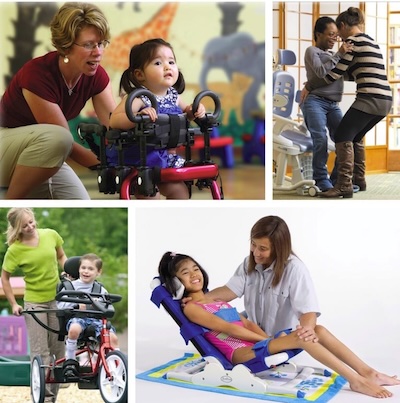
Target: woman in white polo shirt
(277, 287)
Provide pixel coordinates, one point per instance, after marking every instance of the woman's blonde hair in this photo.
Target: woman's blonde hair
(71, 18)
(14, 218)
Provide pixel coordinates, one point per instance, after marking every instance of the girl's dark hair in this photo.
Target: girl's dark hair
(351, 17)
(277, 231)
(169, 265)
(321, 24)
(139, 58)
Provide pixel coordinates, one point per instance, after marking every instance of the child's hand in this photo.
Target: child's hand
(201, 111)
(149, 111)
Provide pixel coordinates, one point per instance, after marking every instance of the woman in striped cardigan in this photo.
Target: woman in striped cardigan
(365, 66)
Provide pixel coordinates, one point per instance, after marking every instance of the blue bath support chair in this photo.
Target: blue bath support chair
(214, 369)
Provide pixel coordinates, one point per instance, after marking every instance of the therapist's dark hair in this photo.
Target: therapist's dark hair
(277, 231)
(321, 25)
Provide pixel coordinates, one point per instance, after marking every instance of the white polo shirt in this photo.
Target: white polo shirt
(278, 308)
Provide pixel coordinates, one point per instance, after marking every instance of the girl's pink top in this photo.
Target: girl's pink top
(224, 343)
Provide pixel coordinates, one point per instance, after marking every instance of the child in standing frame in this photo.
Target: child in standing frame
(153, 66)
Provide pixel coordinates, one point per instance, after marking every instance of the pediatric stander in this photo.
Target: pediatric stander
(169, 131)
(293, 144)
(101, 367)
(215, 370)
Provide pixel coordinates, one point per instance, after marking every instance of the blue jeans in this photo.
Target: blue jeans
(321, 114)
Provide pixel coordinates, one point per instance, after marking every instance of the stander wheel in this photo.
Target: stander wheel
(313, 191)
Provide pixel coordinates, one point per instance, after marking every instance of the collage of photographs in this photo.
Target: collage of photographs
(167, 233)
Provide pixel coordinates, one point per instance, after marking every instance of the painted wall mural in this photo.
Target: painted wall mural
(29, 17)
(219, 46)
(117, 55)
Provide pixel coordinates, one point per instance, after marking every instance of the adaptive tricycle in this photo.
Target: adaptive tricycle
(100, 366)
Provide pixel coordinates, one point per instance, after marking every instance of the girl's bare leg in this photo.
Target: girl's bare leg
(114, 340)
(174, 190)
(341, 351)
(358, 383)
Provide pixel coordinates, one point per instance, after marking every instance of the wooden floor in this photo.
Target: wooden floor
(243, 182)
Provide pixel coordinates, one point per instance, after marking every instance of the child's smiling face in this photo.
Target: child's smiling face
(88, 272)
(190, 275)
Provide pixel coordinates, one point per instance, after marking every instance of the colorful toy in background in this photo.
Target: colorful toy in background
(254, 143)
(13, 336)
(14, 349)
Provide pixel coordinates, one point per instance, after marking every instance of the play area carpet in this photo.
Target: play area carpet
(317, 388)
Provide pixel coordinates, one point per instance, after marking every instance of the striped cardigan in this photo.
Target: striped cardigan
(365, 66)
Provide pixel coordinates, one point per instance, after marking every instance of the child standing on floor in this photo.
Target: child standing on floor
(89, 269)
(237, 337)
(152, 66)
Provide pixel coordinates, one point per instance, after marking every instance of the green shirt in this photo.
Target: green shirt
(39, 265)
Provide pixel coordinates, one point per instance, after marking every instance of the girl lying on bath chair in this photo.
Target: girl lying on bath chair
(242, 341)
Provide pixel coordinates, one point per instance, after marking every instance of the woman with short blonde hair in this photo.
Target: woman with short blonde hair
(47, 92)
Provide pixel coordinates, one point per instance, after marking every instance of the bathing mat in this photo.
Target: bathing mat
(314, 387)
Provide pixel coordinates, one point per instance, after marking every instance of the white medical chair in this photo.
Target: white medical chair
(292, 143)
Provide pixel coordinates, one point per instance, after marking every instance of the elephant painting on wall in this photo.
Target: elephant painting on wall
(237, 53)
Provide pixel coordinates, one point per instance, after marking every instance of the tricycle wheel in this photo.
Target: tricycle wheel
(38, 384)
(114, 389)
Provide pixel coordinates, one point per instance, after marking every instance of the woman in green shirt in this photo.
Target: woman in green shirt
(38, 253)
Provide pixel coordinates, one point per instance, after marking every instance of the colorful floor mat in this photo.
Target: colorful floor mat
(317, 388)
